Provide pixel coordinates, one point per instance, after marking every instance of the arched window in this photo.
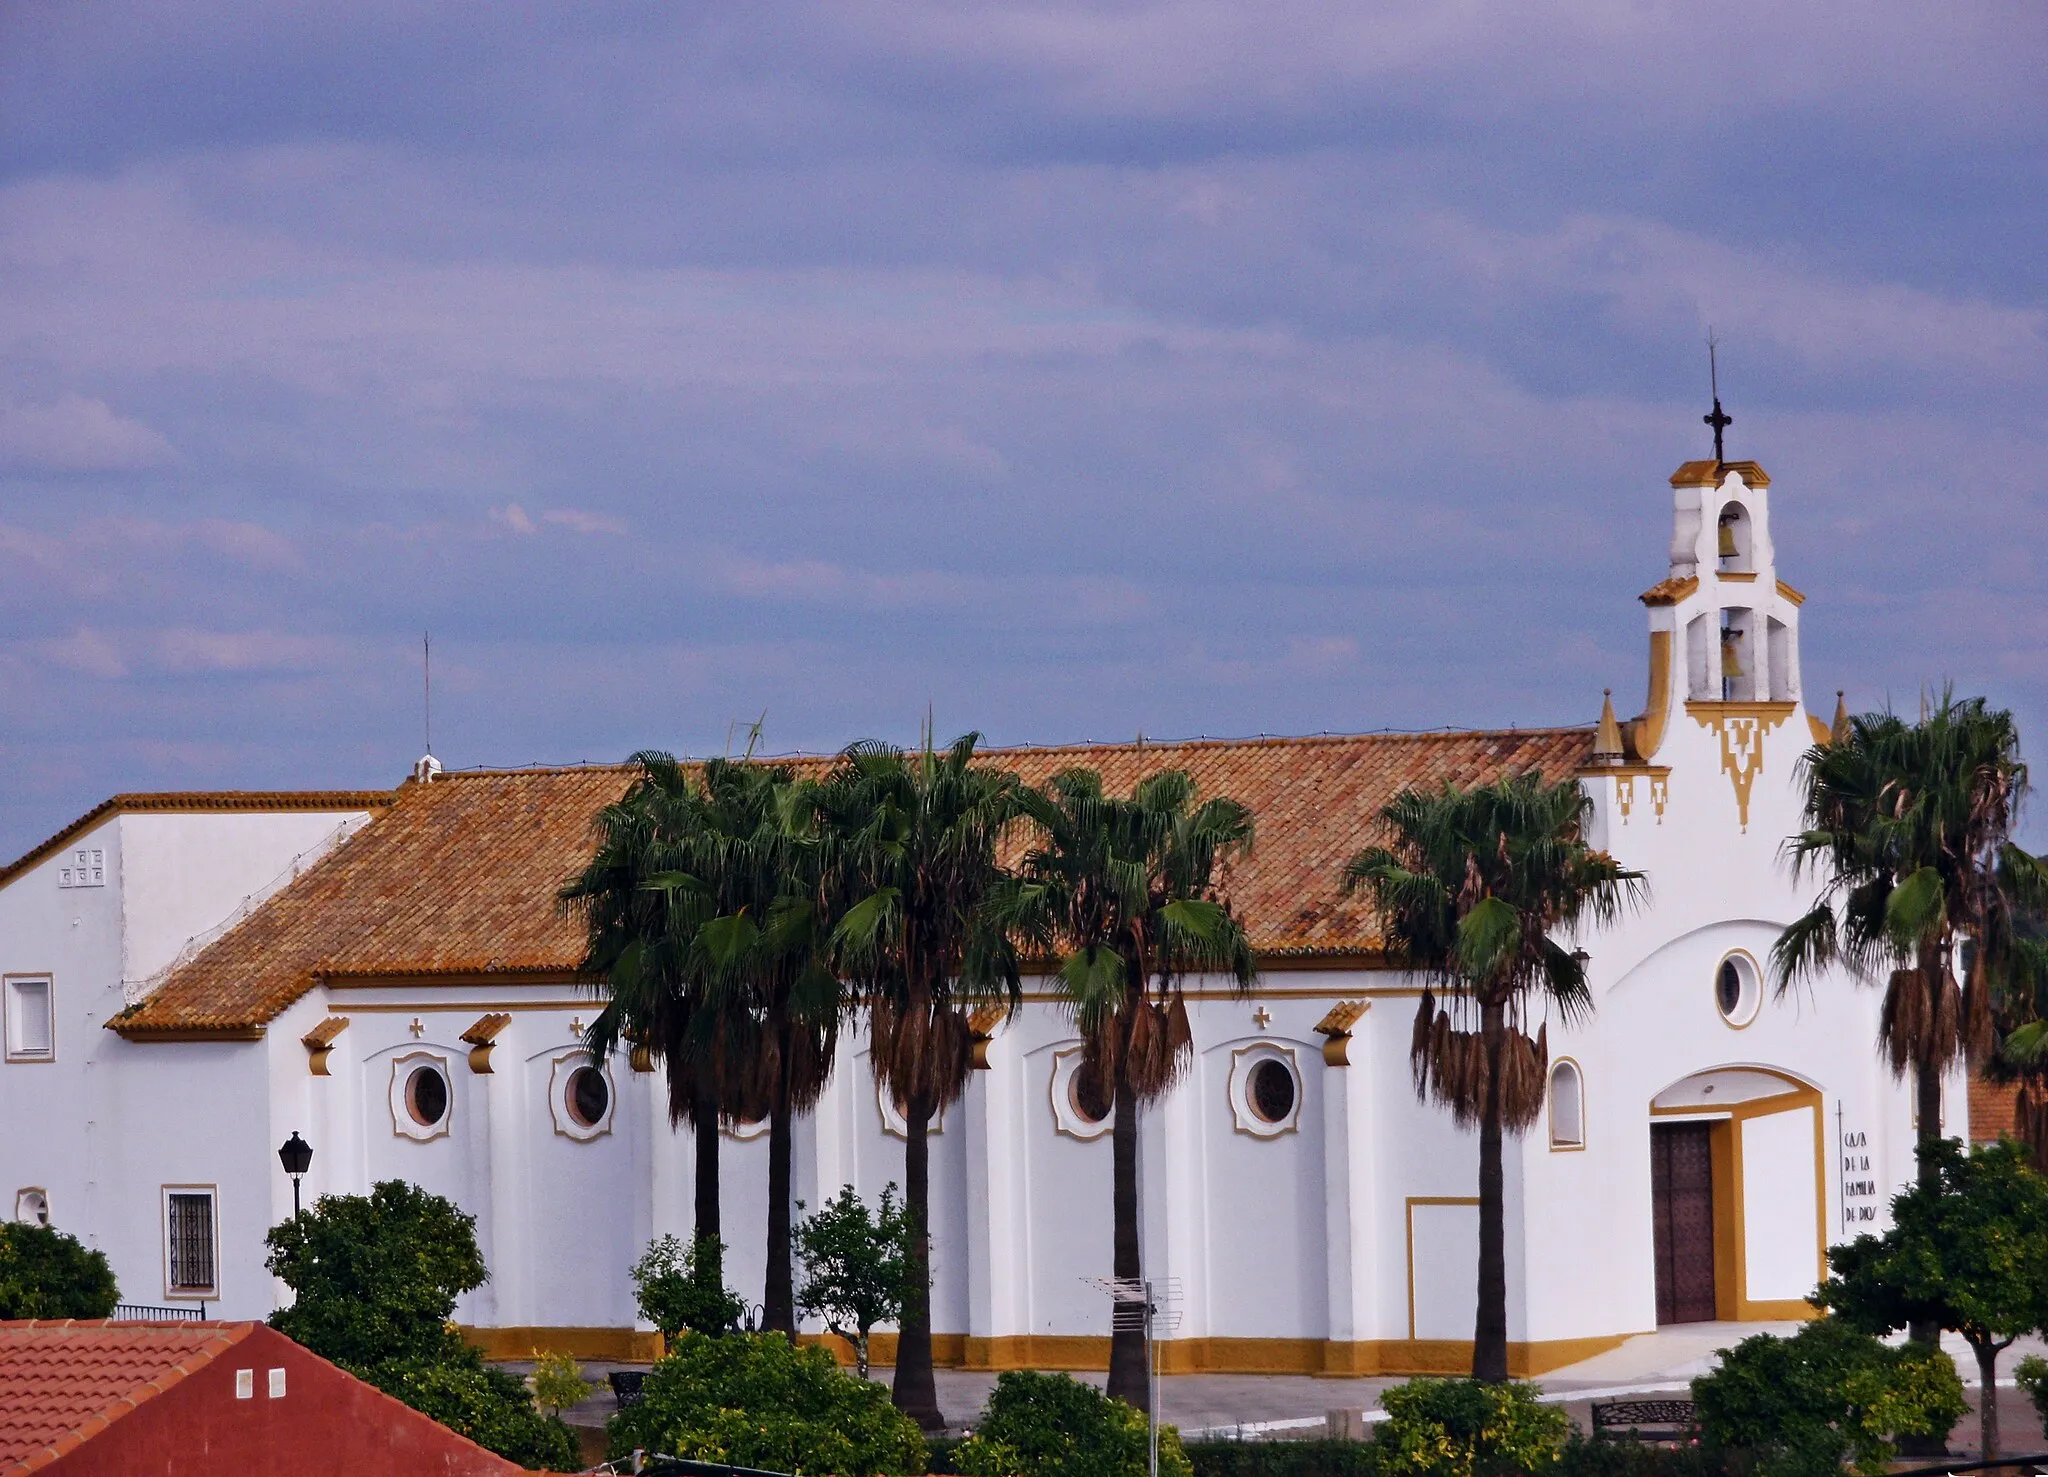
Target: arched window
(1567, 1106)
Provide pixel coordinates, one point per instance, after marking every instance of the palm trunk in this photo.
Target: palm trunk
(1926, 1332)
(778, 1297)
(704, 1119)
(1987, 1401)
(915, 1392)
(1926, 1132)
(1490, 1329)
(1127, 1373)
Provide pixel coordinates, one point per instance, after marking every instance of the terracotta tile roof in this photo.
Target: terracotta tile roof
(61, 1383)
(197, 802)
(455, 877)
(1669, 592)
(1991, 1109)
(458, 877)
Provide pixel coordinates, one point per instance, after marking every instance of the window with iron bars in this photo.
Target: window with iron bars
(189, 1226)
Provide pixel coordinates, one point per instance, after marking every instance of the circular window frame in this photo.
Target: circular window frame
(743, 1130)
(561, 1081)
(1749, 1000)
(403, 1123)
(1244, 1060)
(1067, 1117)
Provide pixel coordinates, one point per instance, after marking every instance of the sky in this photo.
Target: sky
(1063, 371)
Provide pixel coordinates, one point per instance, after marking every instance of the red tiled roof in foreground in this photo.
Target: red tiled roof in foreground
(459, 876)
(1991, 1110)
(63, 1383)
(199, 1399)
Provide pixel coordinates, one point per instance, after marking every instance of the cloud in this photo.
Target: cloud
(87, 652)
(577, 520)
(78, 434)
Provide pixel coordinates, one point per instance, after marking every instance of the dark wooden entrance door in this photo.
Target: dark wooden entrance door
(1682, 1191)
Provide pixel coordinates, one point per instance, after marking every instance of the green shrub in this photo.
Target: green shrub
(374, 1279)
(1584, 1458)
(558, 1383)
(45, 1273)
(1800, 1407)
(1283, 1458)
(2031, 1375)
(488, 1405)
(1053, 1425)
(1467, 1428)
(756, 1400)
(682, 1288)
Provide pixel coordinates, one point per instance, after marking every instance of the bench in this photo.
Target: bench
(626, 1385)
(1644, 1420)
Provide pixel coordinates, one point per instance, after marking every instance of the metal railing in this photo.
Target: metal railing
(149, 1313)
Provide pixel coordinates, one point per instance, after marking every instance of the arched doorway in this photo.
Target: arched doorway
(1738, 1195)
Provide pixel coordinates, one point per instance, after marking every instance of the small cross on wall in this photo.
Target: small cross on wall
(418, 1028)
(1263, 1017)
(576, 1027)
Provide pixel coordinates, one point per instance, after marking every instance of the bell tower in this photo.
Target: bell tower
(1724, 633)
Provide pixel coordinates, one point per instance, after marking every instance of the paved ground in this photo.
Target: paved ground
(1283, 1406)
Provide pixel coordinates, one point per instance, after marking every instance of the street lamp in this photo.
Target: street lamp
(296, 1156)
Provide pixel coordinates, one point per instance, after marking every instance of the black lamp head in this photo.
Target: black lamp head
(296, 1155)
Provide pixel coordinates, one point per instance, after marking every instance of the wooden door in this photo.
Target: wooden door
(1682, 1191)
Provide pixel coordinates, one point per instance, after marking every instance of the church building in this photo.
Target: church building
(192, 978)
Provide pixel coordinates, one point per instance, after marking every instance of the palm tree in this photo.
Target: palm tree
(767, 973)
(1123, 893)
(1910, 827)
(1472, 887)
(911, 843)
(704, 933)
(641, 953)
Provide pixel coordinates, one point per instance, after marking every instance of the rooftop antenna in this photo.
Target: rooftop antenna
(428, 765)
(1720, 420)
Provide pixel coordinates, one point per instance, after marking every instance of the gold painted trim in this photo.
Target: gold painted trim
(1732, 1302)
(1648, 730)
(625, 1345)
(1408, 1213)
(1789, 595)
(1741, 728)
(1737, 576)
(1329, 1358)
(414, 1007)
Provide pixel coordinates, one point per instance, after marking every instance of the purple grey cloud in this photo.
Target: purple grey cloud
(1075, 369)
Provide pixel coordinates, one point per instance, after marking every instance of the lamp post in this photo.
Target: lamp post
(296, 1155)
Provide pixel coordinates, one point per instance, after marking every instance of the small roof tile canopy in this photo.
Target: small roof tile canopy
(459, 878)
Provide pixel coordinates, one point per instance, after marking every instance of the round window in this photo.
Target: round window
(1090, 1102)
(1272, 1090)
(1737, 990)
(589, 1096)
(426, 1096)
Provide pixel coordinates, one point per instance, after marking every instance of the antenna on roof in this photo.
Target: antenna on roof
(428, 766)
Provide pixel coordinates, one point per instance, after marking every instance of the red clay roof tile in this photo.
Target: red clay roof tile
(459, 876)
(62, 1382)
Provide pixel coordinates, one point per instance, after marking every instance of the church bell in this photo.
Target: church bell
(1731, 653)
(1728, 549)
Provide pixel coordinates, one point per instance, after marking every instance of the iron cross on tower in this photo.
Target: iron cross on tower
(1720, 420)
